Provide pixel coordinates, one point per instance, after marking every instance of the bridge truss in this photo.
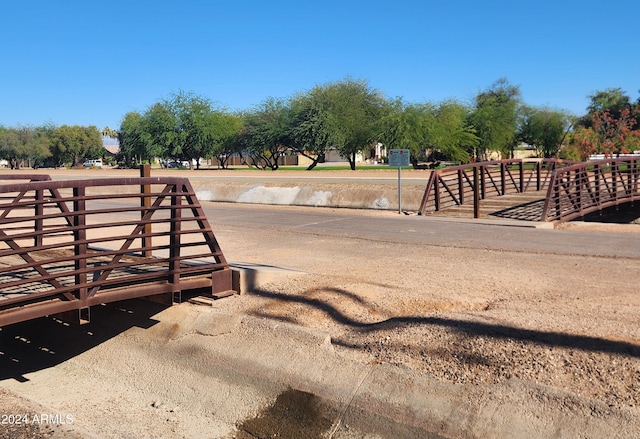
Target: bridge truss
(66, 246)
(573, 189)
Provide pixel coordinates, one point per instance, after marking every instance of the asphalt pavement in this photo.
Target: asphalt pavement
(386, 226)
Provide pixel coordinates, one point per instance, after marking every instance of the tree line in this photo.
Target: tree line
(347, 116)
(49, 146)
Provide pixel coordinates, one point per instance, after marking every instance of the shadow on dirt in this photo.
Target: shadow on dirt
(470, 328)
(45, 342)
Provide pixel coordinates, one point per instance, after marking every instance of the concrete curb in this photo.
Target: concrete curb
(248, 276)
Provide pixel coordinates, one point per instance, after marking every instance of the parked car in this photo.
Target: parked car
(95, 163)
(178, 164)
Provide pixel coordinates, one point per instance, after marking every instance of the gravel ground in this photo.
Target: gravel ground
(497, 316)
(559, 341)
(472, 317)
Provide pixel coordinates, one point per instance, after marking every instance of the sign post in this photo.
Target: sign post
(399, 158)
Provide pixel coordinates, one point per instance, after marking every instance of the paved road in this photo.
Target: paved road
(421, 230)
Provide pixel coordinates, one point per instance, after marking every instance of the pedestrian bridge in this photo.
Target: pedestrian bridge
(66, 246)
(565, 190)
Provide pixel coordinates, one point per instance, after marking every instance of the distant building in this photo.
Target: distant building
(112, 149)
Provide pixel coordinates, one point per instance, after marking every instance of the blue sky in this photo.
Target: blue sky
(90, 62)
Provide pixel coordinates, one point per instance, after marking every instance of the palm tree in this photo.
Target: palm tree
(109, 132)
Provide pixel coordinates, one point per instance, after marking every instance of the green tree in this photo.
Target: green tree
(494, 119)
(24, 144)
(38, 146)
(354, 110)
(161, 132)
(312, 125)
(227, 128)
(133, 140)
(197, 125)
(93, 143)
(184, 126)
(69, 144)
(110, 133)
(430, 132)
(407, 126)
(309, 133)
(266, 133)
(613, 100)
(544, 129)
(451, 134)
(10, 146)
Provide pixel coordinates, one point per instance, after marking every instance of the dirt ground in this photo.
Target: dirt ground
(466, 317)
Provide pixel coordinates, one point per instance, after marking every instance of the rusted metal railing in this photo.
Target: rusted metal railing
(68, 245)
(25, 177)
(577, 190)
(470, 183)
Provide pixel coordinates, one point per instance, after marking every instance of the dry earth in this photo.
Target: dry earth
(470, 316)
(466, 317)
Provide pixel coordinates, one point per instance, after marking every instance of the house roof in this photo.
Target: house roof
(112, 149)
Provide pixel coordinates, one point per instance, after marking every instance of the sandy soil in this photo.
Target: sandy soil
(485, 318)
(465, 317)
(462, 316)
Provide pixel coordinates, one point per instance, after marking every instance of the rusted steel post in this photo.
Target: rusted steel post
(460, 187)
(80, 241)
(521, 176)
(436, 193)
(578, 177)
(483, 185)
(614, 180)
(547, 201)
(174, 237)
(145, 201)
(39, 211)
(635, 174)
(596, 173)
(629, 174)
(476, 193)
(503, 184)
(538, 173)
(556, 196)
(427, 193)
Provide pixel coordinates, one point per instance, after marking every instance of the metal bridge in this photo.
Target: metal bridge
(66, 246)
(565, 190)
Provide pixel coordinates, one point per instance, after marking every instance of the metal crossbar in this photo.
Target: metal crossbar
(68, 245)
(577, 190)
(455, 186)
